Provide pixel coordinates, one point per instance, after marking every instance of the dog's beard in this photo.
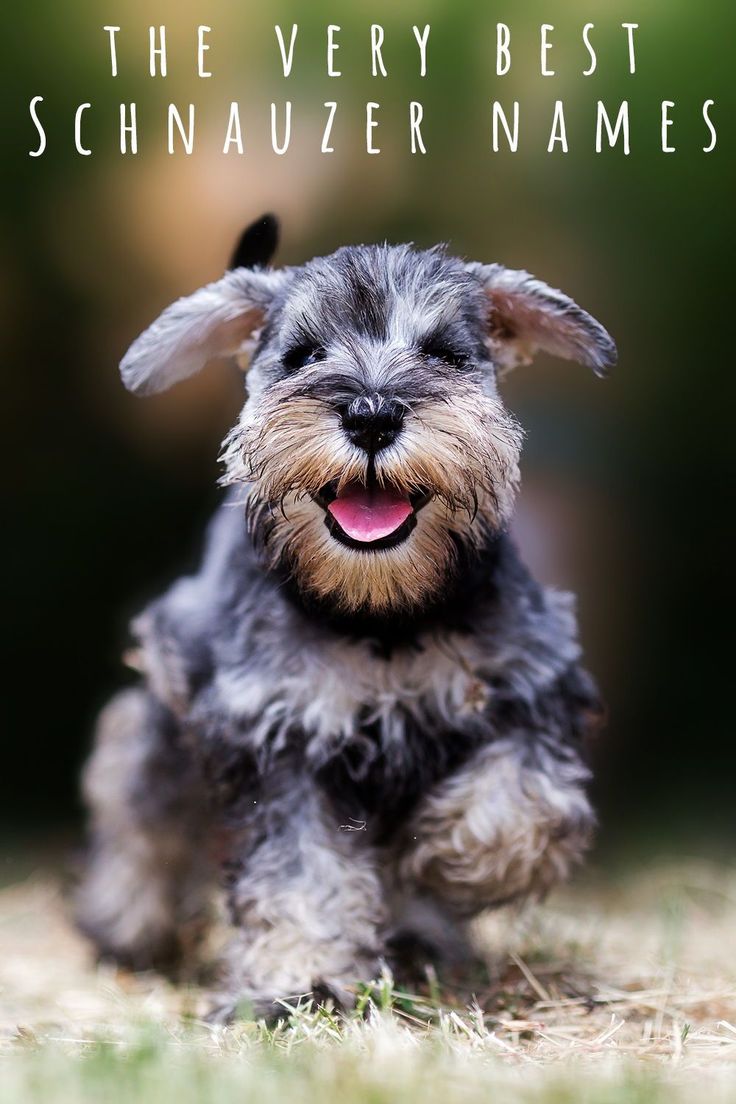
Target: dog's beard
(459, 457)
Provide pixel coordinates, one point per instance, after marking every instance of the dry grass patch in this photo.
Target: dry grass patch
(618, 989)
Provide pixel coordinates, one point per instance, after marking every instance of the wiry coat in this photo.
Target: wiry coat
(385, 741)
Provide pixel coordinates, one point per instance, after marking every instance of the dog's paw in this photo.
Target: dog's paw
(270, 1010)
(248, 1006)
(332, 994)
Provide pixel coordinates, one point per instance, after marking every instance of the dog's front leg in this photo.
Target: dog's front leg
(510, 824)
(306, 898)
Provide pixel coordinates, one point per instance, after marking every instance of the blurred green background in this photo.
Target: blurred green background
(626, 483)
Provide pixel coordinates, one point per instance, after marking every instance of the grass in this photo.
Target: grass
(619, 989)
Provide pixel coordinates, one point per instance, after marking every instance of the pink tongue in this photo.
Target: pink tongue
(368, 515)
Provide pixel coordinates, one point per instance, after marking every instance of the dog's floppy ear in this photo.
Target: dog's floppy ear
(526, 315)
(217, 320)
(257, 244)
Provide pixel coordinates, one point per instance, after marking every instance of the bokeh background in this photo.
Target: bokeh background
(627, 483)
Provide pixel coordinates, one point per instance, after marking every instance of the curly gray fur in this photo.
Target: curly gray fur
(374, 740)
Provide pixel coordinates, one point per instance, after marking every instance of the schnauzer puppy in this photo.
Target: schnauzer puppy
(361, 711)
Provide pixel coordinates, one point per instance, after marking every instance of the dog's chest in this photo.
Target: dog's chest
(375, 732)
(340, 693)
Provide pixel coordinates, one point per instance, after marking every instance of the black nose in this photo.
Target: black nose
(372, 422)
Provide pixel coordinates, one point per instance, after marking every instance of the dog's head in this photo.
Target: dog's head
(373, 442)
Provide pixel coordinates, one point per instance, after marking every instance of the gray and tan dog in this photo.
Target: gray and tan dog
(362, 690)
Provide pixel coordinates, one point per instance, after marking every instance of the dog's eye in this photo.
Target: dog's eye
(438, 350)
(299, 356)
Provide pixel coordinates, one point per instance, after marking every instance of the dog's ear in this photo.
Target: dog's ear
(257, 243)
(525, 315)
(221, 319)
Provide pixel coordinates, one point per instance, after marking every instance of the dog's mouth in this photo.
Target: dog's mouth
(370, 517)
